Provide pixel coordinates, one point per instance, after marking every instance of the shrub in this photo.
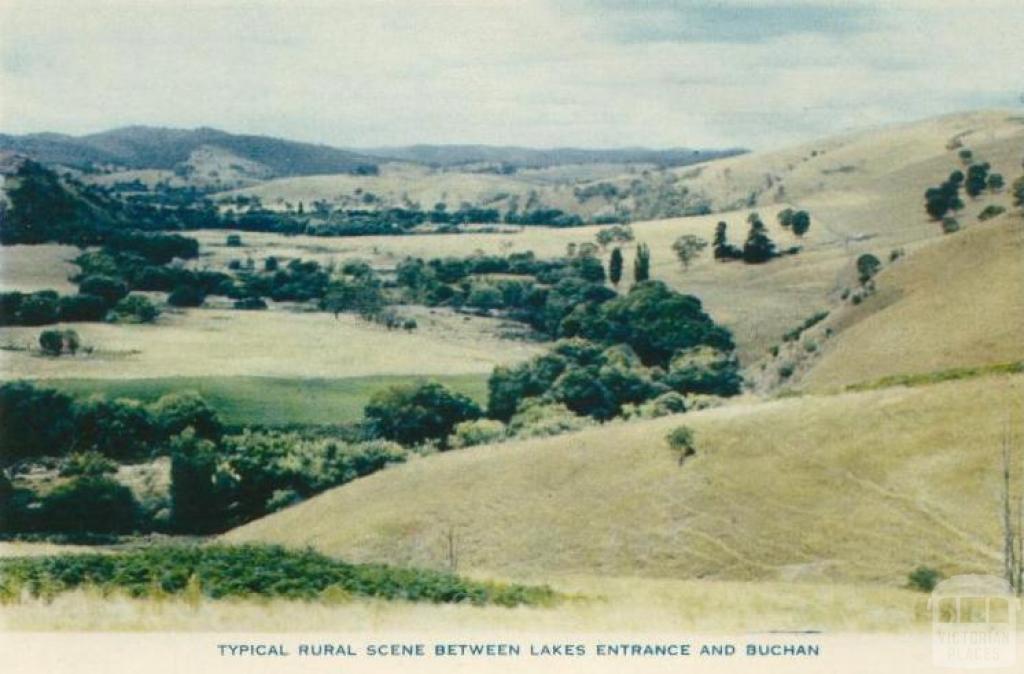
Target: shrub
(662, 406)
(681, 440)
(135, 309)
(89, 503)
(477, 432)
(186, 296)
(411, 414)
(51, 342)
(33, 422)
(221, 571)
(175, 412)
(233, 240)
(991, 211)
(120, 429)
(106, 287)
(88, 464)
(924, 578)
(704, 369)
(82, 307)
(537, 419)
(950, 225)
(251, 304)
(39, 308)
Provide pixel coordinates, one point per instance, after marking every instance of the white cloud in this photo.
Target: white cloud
(532, 73)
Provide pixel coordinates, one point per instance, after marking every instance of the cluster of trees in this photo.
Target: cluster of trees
(945, 199)
(56, 342)
(186, 287)
(941, 200)
(99, 298)
(796, 221)
(758, 247)
(218, 480)
(46, 209)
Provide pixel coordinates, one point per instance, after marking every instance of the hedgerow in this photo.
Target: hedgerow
(240, 571)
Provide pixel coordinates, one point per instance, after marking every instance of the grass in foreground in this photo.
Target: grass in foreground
(594, 604)
(247, 571)
(270, 401)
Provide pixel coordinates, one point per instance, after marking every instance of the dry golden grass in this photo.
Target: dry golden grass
(955, 303)
(857, 487)
(619, 605)
(275, 343)
(32, 268)
(863, 190)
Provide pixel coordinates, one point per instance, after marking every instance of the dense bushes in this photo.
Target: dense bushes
(415, 413)
(135, 309)
(220, 571)
(89, 504)
(37, 422)
(254, 473)
(590, 380)
(104, 294)
(652, 319)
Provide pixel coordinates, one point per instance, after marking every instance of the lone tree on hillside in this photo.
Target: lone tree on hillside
(867, 266)
(615, 267)
(800, 222)
(642, 263)
(688, 247)
(786, 217)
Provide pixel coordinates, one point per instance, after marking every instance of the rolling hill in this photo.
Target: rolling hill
(858, 487)
(824, 486)
(142, 147)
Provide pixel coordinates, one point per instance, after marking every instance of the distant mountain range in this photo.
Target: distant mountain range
(143, 147)
(524, 157)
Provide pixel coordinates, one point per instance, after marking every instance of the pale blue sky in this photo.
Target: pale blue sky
(757, 73)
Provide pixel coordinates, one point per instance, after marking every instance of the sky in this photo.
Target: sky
(542, 73)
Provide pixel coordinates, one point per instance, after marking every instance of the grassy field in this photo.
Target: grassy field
(609, 605)
(855, 487)
(271, 401)
(214, 342)
(32, 268)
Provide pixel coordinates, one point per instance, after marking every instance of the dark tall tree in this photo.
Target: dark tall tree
(758, 247)
(642, 263)
(615, 267)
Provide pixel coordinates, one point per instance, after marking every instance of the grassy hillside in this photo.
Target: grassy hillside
(955, 303)
(160, 148)
(864, 192)
(854, 487)
(271, 401)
